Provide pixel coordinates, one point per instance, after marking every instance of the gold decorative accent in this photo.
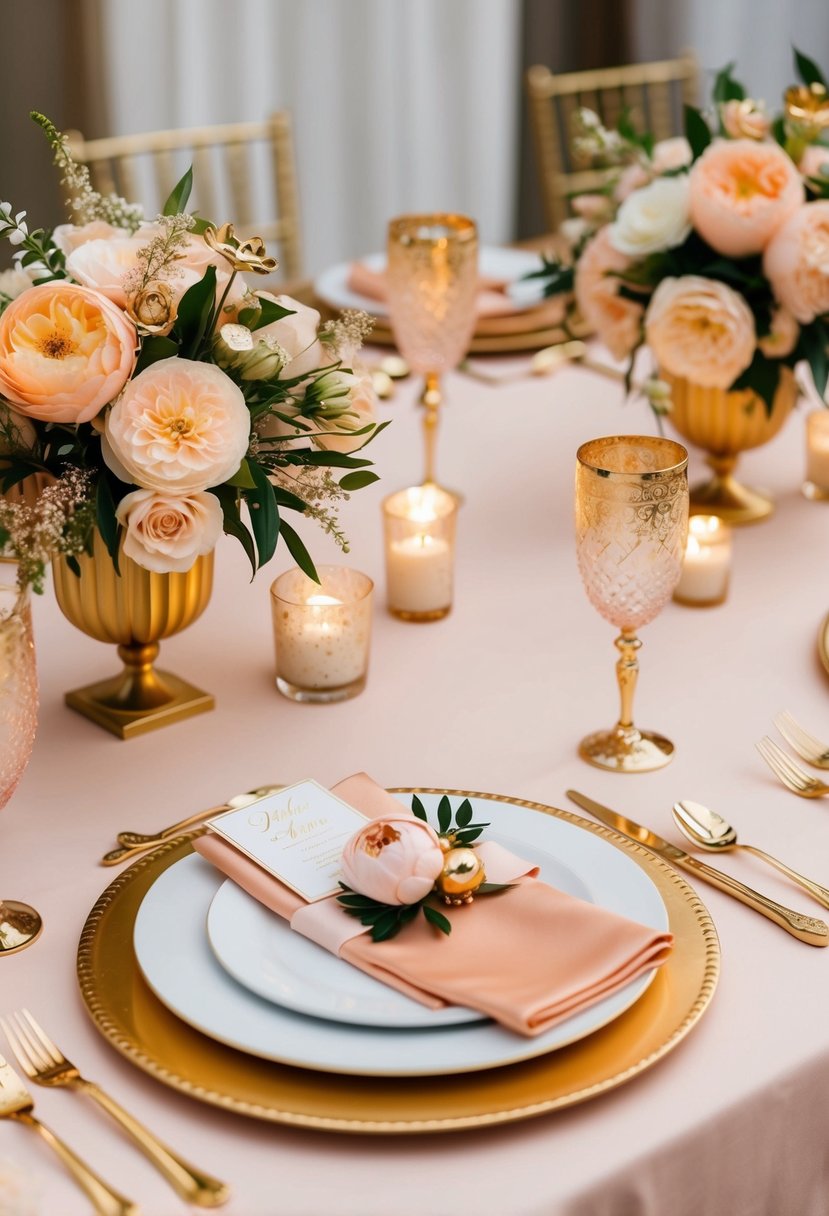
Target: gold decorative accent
(726, 424)
(133, 610)
(20, 926)
(146, 1033)
(462, 874)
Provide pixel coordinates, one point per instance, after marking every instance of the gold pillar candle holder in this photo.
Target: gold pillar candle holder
(706, 568)
(419, 525)
(322, 633)
(432, 280)
(816, 485)
(133, 609)
(631, 524)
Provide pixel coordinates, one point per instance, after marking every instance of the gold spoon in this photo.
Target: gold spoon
(710, 831)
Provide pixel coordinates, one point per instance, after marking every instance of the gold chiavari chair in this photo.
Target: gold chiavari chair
(653, 93)
(225, 165)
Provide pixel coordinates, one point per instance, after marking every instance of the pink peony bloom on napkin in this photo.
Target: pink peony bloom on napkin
(796, 262)
(65, 352)
(741, 193)
(394, 860)
(166, 532)
(617, 321)
(700, 329)
(178, 427)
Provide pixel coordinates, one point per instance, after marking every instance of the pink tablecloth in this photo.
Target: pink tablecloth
(494, 698)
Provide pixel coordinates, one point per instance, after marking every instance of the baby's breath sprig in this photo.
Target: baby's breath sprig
(157, 260)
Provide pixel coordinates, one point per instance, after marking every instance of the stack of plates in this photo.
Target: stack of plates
(223, 1001)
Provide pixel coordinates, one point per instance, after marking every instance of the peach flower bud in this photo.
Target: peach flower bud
(65, 352)
(167, 533)
(700, 329)
(178, 427)
(741, 193)
(782, 338)
(395, 860)
(361, 410)
(796, 263)
(616, 320)
(254, 358)
(152, 308)
(744, 119)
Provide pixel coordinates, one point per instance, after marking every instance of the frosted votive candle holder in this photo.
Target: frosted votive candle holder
(706, 568)
(816, 485)
(420, 552)
(322, 633)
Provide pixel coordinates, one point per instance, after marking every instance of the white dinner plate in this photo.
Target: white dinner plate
(175, 958)
(331, 285)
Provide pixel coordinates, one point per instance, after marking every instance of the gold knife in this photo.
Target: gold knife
(804, 928)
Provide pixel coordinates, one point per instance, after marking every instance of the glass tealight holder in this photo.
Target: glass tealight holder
(706, 567)
(816, 485)
(322, 633)
(420, 552)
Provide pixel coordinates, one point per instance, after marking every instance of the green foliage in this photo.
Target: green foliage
(298, 552)
(697, 131)
(196, 310)
(256, 318)
(726, 88)
(179, 196)
(105, 517)
(762, 375)
(638, 139)
(807, 69)
(356, 481)
(264, 516)
(814, 347)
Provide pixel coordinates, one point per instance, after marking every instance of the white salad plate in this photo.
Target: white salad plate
(175, 957)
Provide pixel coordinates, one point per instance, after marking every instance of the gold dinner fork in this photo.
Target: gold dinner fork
(43, 1062)
(806, 745)
(791, 774)
(16, 1103)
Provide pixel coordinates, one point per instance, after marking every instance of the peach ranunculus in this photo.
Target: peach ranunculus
(178, 427)
(395, 860)
(782, 337)
(700, 329)
(168, 532)
(65, 352)
(616, 320)
(741, 193)
(69, 237)
(297, 335)
(796, 262)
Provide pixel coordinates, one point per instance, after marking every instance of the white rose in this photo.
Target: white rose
(652, 219)
(166, 532)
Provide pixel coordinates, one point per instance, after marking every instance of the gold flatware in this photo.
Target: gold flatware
(44, 1063)
(16, 1103)
(710, 831)
(805, 928)
(789, 771)
(807, 746)
(133, 843)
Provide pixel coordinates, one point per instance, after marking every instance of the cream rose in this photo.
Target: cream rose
(69, 237)
(616, 320)
(653, 219)
(166, 532)
(796, 262)
(297, 335)
(700, 329)
(178, 427)
(65, 352)
(395, 860)
(741, 193)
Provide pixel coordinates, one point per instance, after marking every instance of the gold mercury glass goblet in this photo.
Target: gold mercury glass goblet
(631, 526)
(432, 285)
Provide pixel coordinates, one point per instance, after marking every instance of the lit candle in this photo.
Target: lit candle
(707, 565)
(321, 636)
(420, 536)
(816, 485)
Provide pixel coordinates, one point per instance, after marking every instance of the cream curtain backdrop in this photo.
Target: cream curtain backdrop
(398, 104)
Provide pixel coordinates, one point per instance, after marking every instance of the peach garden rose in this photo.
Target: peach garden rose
(168, 532)
(742, 192)
(700, 329)
(616, 320)
(797, 262)
(395, 860)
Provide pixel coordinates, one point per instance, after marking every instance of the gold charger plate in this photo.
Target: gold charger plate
(823, 642)
(138, 1025)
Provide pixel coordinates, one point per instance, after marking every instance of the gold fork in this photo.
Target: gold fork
(806, 745)
(16, 1103)
(43, 1062)
(791, 774)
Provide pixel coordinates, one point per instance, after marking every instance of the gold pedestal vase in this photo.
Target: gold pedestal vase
(134, 610)
(725, 424)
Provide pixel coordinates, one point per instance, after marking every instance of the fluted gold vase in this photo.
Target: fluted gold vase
(725, 424)
(133, 610)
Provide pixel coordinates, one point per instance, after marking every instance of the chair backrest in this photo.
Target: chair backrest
(653, 94)
(235, 167)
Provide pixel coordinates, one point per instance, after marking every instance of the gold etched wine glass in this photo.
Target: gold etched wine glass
(432, 285)
(631, 527)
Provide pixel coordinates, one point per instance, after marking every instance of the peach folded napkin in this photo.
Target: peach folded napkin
(529, 957)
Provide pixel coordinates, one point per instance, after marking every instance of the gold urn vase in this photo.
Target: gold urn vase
(134, 610)
(725, 424)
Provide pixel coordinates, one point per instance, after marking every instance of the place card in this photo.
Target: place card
(297, 835)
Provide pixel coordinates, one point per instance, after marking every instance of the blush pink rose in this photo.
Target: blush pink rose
(168, 532)
(178, 427)
(394, 860)
(741, 193)
(69, 237)
(700, 329)
(65, 352)
(796, 262)
(617, 321)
